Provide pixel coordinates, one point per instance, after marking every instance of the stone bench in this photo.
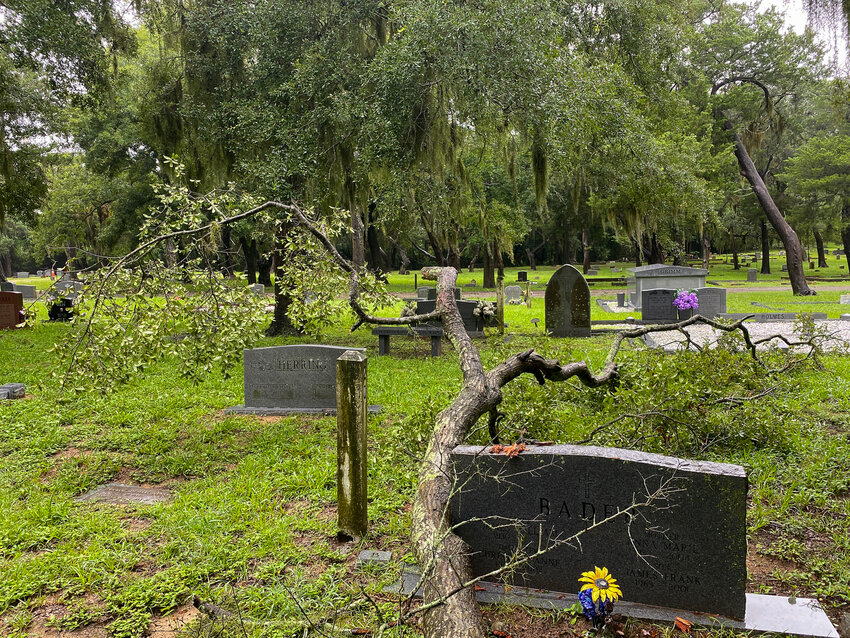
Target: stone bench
(385, 332)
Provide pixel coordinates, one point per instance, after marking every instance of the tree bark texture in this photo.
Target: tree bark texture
(585, 251)
(793, 247)
(281, 323)
(765, 249)
(489, 280)
(821, 252)
(845, 232)
(705, 244)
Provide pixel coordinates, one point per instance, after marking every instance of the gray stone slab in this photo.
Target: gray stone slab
(752, 274)
(567, 304)
(844, 299)
(512, 293)
(297, 377)
(257, 289)
(768, 317)
(373, 558)
(712, 301)
(657, 304)
(845, 317)
(7, 286)
(22, 275)
(121, 494)
(694, 542)
(14, 390)
(29, 292)
(804, 617)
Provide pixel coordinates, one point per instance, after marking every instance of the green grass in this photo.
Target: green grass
(252, 523)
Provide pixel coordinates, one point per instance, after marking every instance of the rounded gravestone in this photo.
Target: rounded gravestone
(567, 304)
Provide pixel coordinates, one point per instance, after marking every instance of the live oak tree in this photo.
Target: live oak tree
(753, 69)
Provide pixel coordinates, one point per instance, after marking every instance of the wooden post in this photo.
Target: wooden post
(528, 294)
(500, 305)
(351, 414)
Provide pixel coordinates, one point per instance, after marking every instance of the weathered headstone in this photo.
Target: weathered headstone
(298, 379)
(621, 300)
(784, 268)
(844, 299)
(474, 325)
(769, 317)
(13, 391)
(121, 494)
(22, 275)
(712, 301)
(752, 274)
(29, 292)
(592, 272)
(692, 545)
(257, 289)
(657, 305)
(660, 276)
(7, 286)
(69, 288)
(513, 293)
(352, 451)
(11, 306)
(422, 292)
(567, 304)
(522, 275)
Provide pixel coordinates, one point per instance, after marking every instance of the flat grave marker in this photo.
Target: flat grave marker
(122, 494)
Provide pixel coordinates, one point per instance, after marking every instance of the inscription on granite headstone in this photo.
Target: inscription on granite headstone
(657, 304)
(694, 541)
(567, 300)
(712, 301)
(299, 377)
(11, 305)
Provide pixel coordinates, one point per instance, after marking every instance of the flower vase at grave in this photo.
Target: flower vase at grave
(685, 314)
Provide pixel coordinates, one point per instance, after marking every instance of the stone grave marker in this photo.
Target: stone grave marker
(11, 305)
(752, 274)
(297, 379)
(474, 325)
(661, 276)
(13, 391)
(567, 304)
(121, 494)
(768, 317)
(513, 293)
(621, 300)
(29, 292)
(7, 286)
(844, 299)
(784, 268)
(696, 538)
(522, 275)
(257, 289)
(22, 275)
(712, 301)
(657, 305)
(422, 292)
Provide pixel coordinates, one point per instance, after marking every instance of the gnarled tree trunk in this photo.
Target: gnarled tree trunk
(821, 252)
(765, 249)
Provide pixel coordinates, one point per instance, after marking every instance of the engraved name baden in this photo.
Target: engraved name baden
(687, 552)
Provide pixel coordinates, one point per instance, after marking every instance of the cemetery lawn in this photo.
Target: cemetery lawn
(251, 525)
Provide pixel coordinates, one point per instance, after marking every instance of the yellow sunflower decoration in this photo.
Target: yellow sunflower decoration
(602, 585)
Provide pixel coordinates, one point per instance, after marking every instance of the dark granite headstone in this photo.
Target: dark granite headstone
(522, 275)
(621, 300)
(693, 545)
(712, 301)
(567, 303)
(657, 304)
(7, 286)
(291, 379)
(11, 305)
